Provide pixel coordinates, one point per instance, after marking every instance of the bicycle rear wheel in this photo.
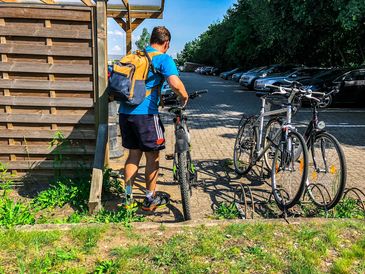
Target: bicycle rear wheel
(327, 170)
(244, 147)
(183, 178)
(289, 171)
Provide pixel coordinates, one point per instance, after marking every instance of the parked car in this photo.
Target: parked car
(206, 70)
(349, 83)
(215, 71)
(279, 79)
(248, 79)
(237, 75)
(227, 74)
(199, 69)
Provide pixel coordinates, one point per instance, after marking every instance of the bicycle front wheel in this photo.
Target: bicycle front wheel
(289, 170)
(244, 148)
(327, 171)
(183, 177)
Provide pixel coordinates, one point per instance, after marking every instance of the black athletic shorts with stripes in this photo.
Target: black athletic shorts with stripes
(144, 132)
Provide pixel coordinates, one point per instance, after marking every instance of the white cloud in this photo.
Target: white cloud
(116, 50)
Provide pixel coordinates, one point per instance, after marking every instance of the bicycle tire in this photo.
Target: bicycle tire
(183, 177)
(271, 151)
(293, 197)
(338, 193)
(250, 143)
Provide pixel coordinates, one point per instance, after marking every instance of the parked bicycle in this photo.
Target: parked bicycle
(327, 164)
(289, 166)
(184, 169)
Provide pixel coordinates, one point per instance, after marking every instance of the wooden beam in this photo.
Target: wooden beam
(46, 85)
(85, 119)
(134, 14)
(102, 58)
(72, 32)
(84, 134)
(135, 8)
(38, 13)
(46, 68)
(49, 2)
(46, 50)
(45, 149)
(121, 23)
(136, 23)
(47, 102)
(88, 3)
(98, 167)
(125, 3)
(46, 164)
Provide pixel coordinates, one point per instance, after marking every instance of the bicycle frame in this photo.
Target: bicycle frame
(260, 120)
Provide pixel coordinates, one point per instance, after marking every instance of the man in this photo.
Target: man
(141, 127)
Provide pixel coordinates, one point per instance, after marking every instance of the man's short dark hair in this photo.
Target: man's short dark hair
(160, 35)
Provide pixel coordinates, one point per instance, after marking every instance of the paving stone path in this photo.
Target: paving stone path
(213, 120)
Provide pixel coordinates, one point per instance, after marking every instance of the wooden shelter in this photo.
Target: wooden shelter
(53, 76)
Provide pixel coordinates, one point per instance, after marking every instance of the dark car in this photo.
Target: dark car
(248, 79)
(350, 87)
(215, 71)
(280, 79)
(228, 74)
(206, 70)
(327, 81)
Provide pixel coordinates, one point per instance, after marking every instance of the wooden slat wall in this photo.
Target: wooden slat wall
(46, 85)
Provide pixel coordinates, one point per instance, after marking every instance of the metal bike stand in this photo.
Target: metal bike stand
(358, 193)
(241, 195)
(318, 186)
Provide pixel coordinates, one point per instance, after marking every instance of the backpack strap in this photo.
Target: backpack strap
(149, 56)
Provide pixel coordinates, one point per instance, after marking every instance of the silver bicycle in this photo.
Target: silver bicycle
(281, 147)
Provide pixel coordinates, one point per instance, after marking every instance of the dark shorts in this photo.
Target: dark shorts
(144, 132)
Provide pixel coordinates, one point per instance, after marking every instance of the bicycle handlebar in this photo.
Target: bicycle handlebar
(192, 95)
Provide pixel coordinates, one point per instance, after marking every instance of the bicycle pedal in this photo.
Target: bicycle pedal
(169, 156)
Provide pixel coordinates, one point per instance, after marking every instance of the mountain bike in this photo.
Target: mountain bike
(184, 170)
(327, 171)
(289, 166)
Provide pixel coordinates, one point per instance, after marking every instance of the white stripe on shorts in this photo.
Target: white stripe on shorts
(158, 127)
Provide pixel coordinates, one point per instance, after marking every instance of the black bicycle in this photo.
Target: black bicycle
(184, 169)
(327, 171)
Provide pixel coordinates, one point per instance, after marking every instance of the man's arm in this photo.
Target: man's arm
(178, 87)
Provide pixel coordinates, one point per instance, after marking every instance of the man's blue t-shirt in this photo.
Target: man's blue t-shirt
(167, 67)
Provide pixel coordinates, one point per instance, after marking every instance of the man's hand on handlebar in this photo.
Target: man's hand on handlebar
(184, 101)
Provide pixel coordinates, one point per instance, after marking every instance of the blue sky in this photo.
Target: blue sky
(186, 20)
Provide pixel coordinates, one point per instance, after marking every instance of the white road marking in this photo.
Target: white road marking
(341, 125)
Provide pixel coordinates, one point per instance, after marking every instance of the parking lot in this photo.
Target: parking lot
(213, 120)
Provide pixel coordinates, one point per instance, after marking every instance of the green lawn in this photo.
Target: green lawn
(334, 246)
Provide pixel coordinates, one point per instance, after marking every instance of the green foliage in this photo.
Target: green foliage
(64, 191)
(348, 208)
(108, 266)
(15, 213)
(227, 211)
(122, 215)
(261, 32)
(143, 40)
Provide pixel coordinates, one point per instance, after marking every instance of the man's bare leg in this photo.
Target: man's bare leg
(152, 168)
(131, 168)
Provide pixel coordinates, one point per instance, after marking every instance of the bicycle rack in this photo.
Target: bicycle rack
(241, 195)
(358, 193)
(318, 186)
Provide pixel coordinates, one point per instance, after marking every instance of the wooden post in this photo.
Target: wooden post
(101, 109)
(98, 167)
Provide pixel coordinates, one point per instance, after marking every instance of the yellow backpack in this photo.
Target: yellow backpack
(127, 80)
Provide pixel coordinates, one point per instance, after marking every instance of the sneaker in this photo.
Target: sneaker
(129, 202)
(158, 201)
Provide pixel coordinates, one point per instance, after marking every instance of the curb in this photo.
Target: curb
(188, 224)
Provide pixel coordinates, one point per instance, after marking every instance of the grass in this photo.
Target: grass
(335, 246)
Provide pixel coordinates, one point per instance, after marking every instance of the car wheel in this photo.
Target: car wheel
(326, 102)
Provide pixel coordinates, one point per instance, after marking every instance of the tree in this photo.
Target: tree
(143, 40)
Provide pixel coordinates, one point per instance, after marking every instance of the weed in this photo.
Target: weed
(88, 237)
(108, 266)
(226, 211)
(14, 213)
(122, 215)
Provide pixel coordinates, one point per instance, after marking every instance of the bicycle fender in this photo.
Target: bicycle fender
(182, 142)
